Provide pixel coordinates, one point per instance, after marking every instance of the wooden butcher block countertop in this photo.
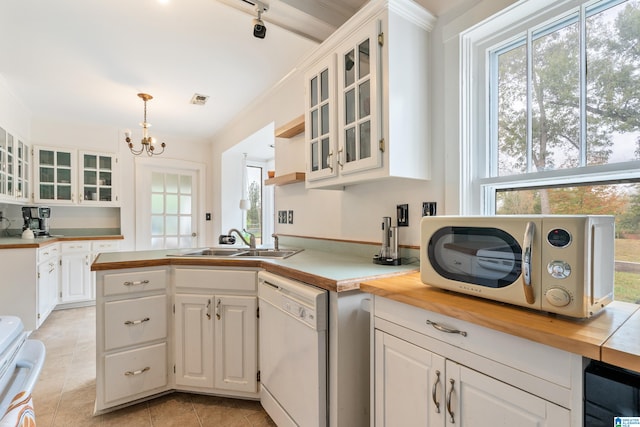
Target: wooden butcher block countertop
(613, 336)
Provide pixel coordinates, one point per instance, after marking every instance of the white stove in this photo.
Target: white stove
(21, 361)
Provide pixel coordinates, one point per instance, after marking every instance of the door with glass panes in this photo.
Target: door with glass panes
(166, 206)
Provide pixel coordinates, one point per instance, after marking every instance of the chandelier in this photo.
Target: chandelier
(148, 143)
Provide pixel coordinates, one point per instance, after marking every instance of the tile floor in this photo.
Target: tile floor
(65, 392)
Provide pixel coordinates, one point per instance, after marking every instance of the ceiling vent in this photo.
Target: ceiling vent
(198, 99)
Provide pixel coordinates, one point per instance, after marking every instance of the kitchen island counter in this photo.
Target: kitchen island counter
(611, 336)
(337, 272)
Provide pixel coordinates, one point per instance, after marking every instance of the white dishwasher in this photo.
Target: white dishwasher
(293, 351)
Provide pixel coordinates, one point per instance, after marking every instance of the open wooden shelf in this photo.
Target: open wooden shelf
(290, 178)
(291, 129)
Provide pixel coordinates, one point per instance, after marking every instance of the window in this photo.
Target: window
(253, 216)
(561, 109)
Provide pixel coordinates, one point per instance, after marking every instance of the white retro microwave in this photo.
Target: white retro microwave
(560, 264)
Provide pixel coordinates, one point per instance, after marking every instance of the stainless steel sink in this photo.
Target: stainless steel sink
(238, 252)
(269, 253)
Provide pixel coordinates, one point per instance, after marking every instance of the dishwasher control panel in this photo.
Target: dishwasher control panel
(300, 311)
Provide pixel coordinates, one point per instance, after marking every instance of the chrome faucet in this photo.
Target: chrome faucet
(252, 238)
(275, 241)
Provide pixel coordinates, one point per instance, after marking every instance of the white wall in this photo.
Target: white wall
(15, 117)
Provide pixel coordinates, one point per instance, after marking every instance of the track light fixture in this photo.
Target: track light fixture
(259, 30)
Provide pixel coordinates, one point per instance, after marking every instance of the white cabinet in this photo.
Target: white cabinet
(367, 98)
(97, 178)
(47, 276)
(55, 175)
(77, 281)
(216, 330)
(75, 272)
(14, 168)
(434, 377)
(67, 176)
(194, 340)
(132, 350)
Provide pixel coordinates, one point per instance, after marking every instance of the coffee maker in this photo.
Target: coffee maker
(36, 218)
(388, 254)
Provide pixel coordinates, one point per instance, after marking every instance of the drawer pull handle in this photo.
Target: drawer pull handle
(209, 309)
(138, 372)
(445, 329)
(136, 283)
(452, 381)
(218, 309)
(434, 391)
(136, 322)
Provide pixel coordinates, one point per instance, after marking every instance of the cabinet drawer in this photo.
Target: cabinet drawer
(135, 373)
(135, 321)
(201, 278)
(134, 281)
(105, 246)
(48, 252)
(68, 247)
(540, 360)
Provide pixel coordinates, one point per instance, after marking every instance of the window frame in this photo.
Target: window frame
(479, 179)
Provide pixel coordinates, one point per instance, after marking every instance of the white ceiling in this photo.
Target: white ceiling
(86, 60)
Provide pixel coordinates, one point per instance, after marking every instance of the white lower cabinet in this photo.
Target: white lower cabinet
(75, 272)
(216, 342)
(426, 377)
(216, 332)
(132, 339)
(175, 328)
(77, 281)
(47, 281)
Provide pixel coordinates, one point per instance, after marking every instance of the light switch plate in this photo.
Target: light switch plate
(290, 218)
(428, 208)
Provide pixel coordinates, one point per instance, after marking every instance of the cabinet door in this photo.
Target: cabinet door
(47, 288)
(54, 179)
(408, 384)
(320, 118)
(194, 340)
(22, 171)
(236, 349)
(97, 178)
(76, 278)
(359, 124)
(475, 399)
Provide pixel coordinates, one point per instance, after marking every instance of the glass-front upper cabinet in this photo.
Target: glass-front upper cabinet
(22, 171)
(54, 178)
(14, 168)
(320, 117)
(97, 178)
(358, 112)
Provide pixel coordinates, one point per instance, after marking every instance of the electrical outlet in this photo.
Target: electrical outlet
(402, 211)
(282, 217)
(290, 218)
(428, 208)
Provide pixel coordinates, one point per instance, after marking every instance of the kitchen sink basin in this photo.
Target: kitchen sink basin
(238, 252)
(269, 253)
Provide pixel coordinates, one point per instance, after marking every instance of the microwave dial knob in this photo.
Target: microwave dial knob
(558, 297)
(559, 269)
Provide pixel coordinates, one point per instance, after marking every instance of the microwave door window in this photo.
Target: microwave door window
(481, 256)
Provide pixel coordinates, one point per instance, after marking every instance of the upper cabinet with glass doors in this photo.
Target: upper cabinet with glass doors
(65, 176)
(14, 168)
(377, 126)
(97, 178)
